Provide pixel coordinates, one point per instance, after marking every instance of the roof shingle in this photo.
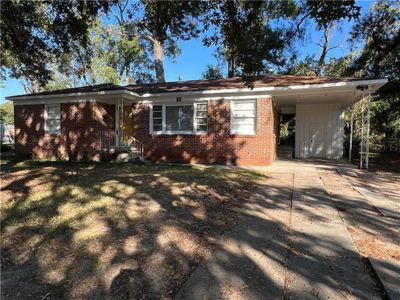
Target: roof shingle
(198, 85)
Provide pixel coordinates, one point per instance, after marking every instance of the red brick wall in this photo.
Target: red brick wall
(77, 140)
(218, 145)
(29, 127)
(276, 132)
(81, 121)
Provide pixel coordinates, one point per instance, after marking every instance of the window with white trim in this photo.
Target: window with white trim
(52, 118)
(201, 120)
(157, 118)
(243, 117)
(179, 118)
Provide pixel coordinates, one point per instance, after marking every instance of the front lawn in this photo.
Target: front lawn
(111, 230)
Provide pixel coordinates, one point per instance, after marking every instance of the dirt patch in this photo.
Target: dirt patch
(111, 230)
(371, 245)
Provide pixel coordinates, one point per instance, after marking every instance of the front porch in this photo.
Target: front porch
(127, 147)
(119, 140)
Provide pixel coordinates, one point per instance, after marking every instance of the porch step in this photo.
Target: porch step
(126, 156)
(119, 148)
(285, 151)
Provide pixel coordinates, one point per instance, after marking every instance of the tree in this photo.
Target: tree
(212, 72)
(306, 67)
(116, 58)
(34, 33)
(162, 23)
(254, 36)
(246, 32)
(339, 67)
(315, 65)
(324, 46)
(326, 12)
(7, 112)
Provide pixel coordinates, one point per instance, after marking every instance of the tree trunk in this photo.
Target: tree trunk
(128, 79)
(231, 67)
(158, 60)
(324, 50)
(31, 85)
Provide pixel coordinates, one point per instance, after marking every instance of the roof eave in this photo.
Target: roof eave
(377, 83)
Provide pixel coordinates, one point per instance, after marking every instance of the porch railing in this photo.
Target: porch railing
(108, 139)
(135, 145)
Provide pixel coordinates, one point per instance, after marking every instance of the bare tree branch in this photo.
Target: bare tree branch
(298, 27)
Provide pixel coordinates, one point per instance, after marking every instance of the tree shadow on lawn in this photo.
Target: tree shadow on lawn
(132, 232)
(123, 231)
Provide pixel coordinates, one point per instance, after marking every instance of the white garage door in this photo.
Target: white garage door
(319, 131)
(317, 142)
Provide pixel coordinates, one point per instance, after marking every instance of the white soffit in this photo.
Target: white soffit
(329, 94)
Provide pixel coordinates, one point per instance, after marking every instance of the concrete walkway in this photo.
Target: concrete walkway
(374, 221)
(289, 242)
(372, 186)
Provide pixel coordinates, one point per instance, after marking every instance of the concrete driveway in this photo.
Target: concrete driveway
(294, 239)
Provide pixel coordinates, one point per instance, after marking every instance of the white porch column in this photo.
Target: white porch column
(117, 122)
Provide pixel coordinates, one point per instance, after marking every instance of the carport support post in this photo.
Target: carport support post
(365, 129)
(362, 137)
(368, 129)
(351, 132)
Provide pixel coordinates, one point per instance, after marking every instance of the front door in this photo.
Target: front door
(127, 123)
(317, 143)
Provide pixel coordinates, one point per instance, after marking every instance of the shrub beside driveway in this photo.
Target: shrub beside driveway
(117, 230)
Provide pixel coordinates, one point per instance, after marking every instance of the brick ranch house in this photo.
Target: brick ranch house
(201, 121)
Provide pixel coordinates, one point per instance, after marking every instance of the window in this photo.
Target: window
(243, 117)
(201, 117)
(157, 118)
(52, 118)
(179, 118)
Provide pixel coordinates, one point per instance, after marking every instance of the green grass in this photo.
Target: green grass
(76, 227)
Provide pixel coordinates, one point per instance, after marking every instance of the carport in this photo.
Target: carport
(319, 116)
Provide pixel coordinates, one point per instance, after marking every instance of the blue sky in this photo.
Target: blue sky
(195, 57)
